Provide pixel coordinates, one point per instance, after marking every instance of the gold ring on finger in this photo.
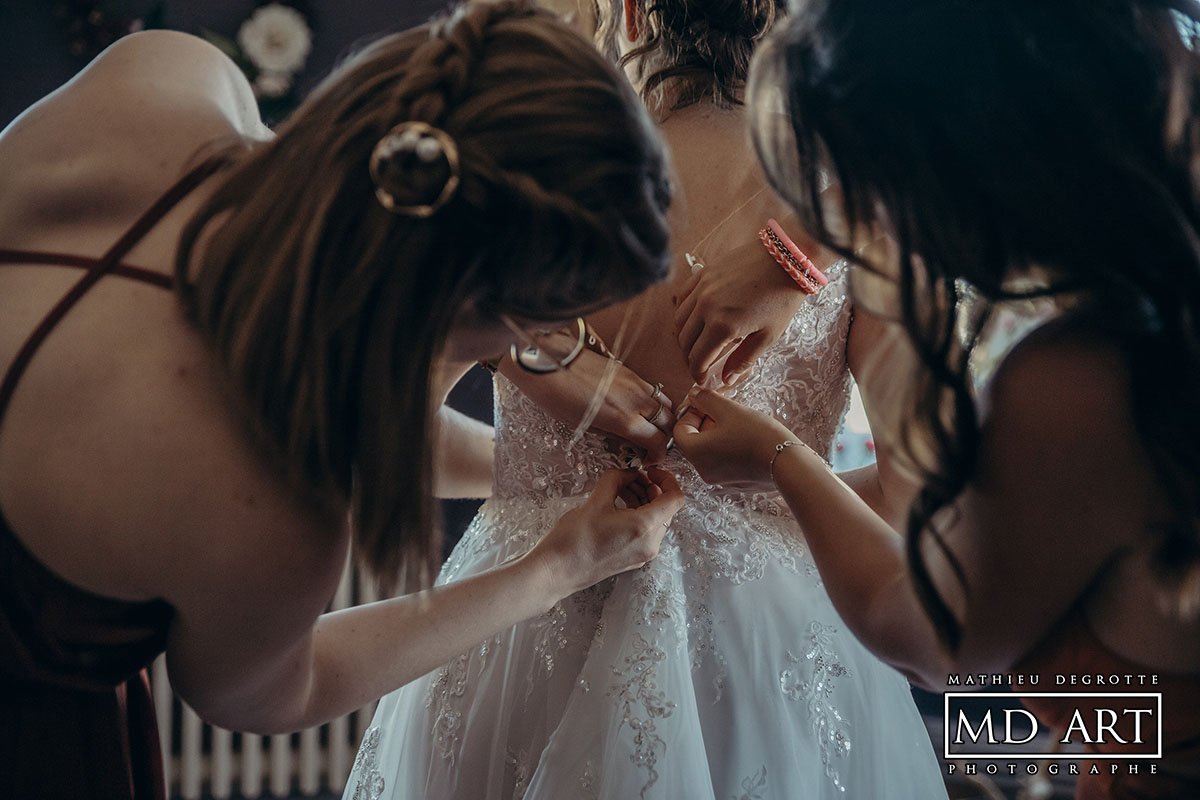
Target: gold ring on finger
(654, 420)
(658, 391)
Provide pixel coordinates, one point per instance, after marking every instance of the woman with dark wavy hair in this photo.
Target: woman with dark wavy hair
(215, 383)
(720, 669)
(1017, 182)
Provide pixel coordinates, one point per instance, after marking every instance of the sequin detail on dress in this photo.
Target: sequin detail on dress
(822, 668)
(370, 783)
(641, 703)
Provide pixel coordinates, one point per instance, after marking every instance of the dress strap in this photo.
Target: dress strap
(109, 263)
(84, 262)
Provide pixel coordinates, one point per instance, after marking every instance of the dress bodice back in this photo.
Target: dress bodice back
(803, 380)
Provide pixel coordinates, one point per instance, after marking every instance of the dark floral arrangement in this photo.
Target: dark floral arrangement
(271, 46)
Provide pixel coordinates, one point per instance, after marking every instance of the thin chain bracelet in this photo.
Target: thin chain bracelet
(779, 448)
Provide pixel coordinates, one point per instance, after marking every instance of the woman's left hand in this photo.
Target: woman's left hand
(728, 443)
(632, 409)
(737, 307)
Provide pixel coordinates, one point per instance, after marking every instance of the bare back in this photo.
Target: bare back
(124, 465)
(721, 201)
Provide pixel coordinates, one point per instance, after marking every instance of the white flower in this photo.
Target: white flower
(272, 84)
(276, 38)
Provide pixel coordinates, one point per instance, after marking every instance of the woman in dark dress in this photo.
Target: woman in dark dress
(208, 375)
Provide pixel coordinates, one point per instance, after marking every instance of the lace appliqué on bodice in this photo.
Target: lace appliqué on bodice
(720, 535)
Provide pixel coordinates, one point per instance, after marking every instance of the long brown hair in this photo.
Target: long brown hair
(701, 48)
(997, 140)
(329, 312)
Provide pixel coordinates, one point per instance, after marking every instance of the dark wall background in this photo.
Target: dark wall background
(34, 60)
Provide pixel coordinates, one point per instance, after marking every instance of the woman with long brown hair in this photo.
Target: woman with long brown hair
(215, 383)
(1017, 182)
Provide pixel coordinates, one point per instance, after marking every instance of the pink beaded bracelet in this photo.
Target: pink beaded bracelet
(799, 266)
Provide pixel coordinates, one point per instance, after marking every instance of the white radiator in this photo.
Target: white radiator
(204, 761)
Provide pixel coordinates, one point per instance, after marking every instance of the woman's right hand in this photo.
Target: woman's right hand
(737, 306)
(730, 444)
(598, 539)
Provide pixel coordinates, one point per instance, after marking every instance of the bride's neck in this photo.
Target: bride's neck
(702, 114)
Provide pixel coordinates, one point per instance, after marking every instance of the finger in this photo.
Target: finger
(672, 495)
(687, 432)
(687, 288)
(650, 489)
(659, 395)
(698, 419)
(683, 311)
(661, 418)
(628, 498)
(708, 403)
(682, 408)
(685, 407)
(610, 483)
(663, 421)
(743, 357)
(662, 478)
(653, 439)
(710, 348)
(657, 513)
(690, 333)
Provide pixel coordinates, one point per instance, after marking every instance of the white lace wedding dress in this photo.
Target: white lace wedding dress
(720, 670)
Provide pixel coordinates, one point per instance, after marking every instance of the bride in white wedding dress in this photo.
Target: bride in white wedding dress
(720, 669)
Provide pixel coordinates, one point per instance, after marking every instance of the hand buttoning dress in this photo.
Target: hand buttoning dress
(719, 670)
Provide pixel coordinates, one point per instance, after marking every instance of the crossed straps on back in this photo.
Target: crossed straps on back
(97, 268)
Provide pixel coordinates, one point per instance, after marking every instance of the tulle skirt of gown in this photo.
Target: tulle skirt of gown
(719, 670)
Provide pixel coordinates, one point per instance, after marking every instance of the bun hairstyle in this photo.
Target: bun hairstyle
(698, 48)
(996, 141)
(492, 160)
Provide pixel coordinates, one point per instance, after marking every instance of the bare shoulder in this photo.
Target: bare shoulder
(114, 135)
(175, 70)
(1061, 415)
(139, 82)
(1067, 383)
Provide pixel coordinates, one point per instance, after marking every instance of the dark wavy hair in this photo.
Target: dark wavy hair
(995, 140)
(328, 312)
(702, 48)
